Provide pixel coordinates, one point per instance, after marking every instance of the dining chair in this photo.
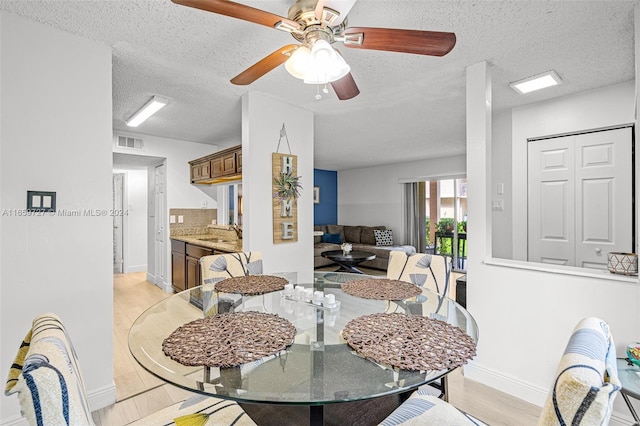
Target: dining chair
(218, 267)
(431, 271)
(583, 391)
(46, 376)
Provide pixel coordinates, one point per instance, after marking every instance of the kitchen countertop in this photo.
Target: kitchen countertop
(199, 240)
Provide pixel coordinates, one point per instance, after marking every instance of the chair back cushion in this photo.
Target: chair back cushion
(218, 267)
(49, 386)
(430, 271)
(587, 379)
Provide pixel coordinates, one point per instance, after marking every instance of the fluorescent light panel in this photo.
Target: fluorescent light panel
(537, 82)
(150, 108)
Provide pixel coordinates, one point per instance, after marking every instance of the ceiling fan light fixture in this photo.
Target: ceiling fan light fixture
(325, 65)
(536, 82)
(298, 64)
(151, 107)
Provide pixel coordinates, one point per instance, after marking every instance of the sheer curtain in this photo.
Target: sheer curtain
(415, 214)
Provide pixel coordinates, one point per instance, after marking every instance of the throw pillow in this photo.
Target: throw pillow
(383, 237)
(332, 238)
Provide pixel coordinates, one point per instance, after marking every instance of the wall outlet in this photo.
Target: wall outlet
(497, 205)
(172, 218)
(180, 219)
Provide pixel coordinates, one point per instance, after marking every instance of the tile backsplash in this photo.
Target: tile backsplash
(194, 221)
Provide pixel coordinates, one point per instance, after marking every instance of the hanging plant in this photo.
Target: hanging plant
(287, 186)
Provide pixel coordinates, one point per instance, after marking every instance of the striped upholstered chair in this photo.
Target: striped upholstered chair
(46, 376)
(582, 394)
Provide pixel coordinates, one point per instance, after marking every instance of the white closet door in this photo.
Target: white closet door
(603, 196)
(580, 198)
(551, 201)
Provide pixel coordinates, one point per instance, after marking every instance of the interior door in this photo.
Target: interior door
(118, 194)
(580, 198)
(551, 201)
(160, 218)
(604, 212)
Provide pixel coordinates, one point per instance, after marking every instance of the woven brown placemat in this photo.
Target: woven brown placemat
(230, 339)
(381, 289)
(409, 342)
(251, 284)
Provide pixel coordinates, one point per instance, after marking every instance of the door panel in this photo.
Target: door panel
(604, 197)
(551, 210)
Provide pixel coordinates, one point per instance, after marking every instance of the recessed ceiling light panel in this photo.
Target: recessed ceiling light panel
(536, 82)
(147, 110)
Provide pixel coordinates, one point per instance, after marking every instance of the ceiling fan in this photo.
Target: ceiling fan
(316, 24)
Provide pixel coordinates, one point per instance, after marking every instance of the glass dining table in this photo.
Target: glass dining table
(319, 368)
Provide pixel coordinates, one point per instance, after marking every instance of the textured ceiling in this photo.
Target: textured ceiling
(410, 106)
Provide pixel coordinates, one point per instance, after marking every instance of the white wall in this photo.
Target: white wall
(501, 174)
(54, 263)
(374, 195)
(262, 119)
(526, 313)
(135, 220)
(608, 106)
(180, 193)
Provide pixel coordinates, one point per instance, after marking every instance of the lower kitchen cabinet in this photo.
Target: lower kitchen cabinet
(185, 264)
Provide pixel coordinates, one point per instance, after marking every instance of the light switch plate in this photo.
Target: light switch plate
(41, 201)
(172, 218)
(180, 219)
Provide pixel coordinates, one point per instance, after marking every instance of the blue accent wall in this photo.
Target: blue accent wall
(326, 212)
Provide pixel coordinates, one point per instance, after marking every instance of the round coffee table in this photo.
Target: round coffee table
(348, 263)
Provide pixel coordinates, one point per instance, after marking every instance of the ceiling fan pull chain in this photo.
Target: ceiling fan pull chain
(325, 90)
(318, 95)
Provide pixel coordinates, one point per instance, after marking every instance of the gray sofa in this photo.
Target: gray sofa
(361, 238)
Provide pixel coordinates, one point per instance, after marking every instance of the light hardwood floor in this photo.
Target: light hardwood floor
(139, 393)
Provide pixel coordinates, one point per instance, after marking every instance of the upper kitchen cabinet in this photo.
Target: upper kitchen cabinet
(222, 166)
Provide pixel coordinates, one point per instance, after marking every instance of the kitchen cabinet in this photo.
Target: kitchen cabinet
(193, 277)
(200, 171)
(178, 265)
(185, 264)
(218, 167)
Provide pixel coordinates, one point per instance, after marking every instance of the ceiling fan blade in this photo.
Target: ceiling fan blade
(324, 11)
(345, 88)
(433, 43)
(240, 11)
(264, 65)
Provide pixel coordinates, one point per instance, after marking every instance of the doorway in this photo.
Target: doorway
(446, 219)
(137, 215)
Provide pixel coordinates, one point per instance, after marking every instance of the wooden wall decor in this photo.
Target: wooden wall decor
(286, 190)
(286, 185)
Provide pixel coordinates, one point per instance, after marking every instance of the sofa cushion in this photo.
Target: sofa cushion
(367, 236)
(332, 238)
(352, 233)
(336, 229)
(383, 238)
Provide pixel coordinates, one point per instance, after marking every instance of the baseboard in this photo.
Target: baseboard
(525, 391)
(102, 397)
(151, 278)
(136, 268)
(15, 421)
